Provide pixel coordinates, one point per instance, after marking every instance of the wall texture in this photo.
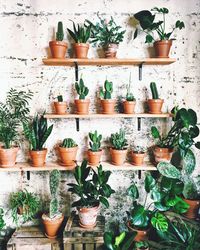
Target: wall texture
(26, 28)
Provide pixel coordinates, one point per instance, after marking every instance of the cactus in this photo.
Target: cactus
(108, 90)
(60, 33)
(118, 140)
(95, 142)
(129, 96)
(81, 89)
(68, 143)
(154, 90)
(60, 98)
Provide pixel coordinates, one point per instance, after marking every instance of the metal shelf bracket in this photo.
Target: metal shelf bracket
(77, 124)
(139, 123)
(140, 71)
(76, 71)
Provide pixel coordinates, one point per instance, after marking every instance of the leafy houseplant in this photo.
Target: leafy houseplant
(12, 114)
(137, 156)
(2, 222)
(80, 35)
(155, 104)
(58, 47)
(37, 132)
(92, 189)
(129, 103)
(107, 103)
(150, 26)
(53, 220)
(60, 106)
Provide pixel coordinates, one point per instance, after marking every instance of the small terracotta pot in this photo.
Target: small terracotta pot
(68, 156)
(51, 227)
(155, 106)
(108, 106)
(82, 106)
(88, 216)
(129, 107)
(162, 48)
(81, 50)
(162, 154)
(142, 235)
(38, 157)
(137, 158)
(94, 157)
(60, 108)
(58, 49)
(192, 212)
(111, 50)
(118, 157)
(8, 157)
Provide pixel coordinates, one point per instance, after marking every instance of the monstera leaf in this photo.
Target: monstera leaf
(159, 221)
(168, 170)
(139, 216)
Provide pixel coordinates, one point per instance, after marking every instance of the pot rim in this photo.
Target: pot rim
(68, 149)
(135, 229)
(81, 45)
(164, 41)
(155, 100)
(43, 149)
(64, 102)
(55, 42)
(118, 150)
(99, 151)
(14, 148)
(82, 100)
(86, 209)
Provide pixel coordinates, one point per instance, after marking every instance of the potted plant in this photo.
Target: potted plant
(82, 104)
(60, 106)
(155, 104)
(12, 114)
(58, 48)
(107, 104)
(92, 189)
(95, 151)
(37, 132)
(2, 222)
(108, 35)
(53, 219)
(129, 103)
(68, 151)
(118, 150)
(149, 26)
(80, 35)
(141, 245)
(24, 205)
(137, 156)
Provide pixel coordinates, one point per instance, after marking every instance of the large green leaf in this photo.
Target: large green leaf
(119, 239)
(133, 192)
(149, 182)
(108, 240)
(168, 170)
(181, 206)
(139, 216)
(189, 162)
(160, 222)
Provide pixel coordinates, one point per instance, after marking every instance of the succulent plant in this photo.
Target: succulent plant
(81, 89)
(95, 142)
(154, 90)
(60, 98)
(108, 86)
(68, 143)
(81, 34)
(60, 32)
(118, 140)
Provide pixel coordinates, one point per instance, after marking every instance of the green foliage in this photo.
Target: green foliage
(80, 34)
(108, 86)
(148, 24)
(60, 98)
(37, 132)
(141, 245)
(81, 89)
(154, 90)
(91, 187)
(118, 140)
(68, 143)
(139, 149)
(13, 112)
(2, 222)
(129, 96)
(60, 32)
(162, 141)
(95, 141)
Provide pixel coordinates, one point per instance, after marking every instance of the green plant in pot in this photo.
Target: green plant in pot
(37, 132)
(60, 106)
(95, 151)
(52, 220)
(92, 189)
(155, 104)
(141, 245)
(2, 221)
(13, 113)
(129, 103)
(149, 25)
(24, 206)
(58, 47)
(137, 155)
(107, 103)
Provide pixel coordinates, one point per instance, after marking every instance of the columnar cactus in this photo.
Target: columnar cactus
(154, 90)
(81, 89)
(60, 32)
(60, 98)
(108, 86)
(95, 142)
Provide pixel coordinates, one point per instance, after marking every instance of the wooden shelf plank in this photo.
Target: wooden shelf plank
(107, 62)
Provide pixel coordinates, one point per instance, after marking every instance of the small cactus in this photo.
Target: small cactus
(60, 98)
(95, 142)
(81, 89)
(68, 143)
(60, 32)
(154, 90)
(108, 86)
(118, 140)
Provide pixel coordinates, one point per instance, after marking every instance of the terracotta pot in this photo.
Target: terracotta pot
(58, 49)
(60, 108)
(162, 154)
(81, 50)
(108, 106)
(162, 48)
(38, 157)
(155, 106)
(82, 106)
(142, 235)
(51, 227)
(88, 216)
(111, 50)
(8, 157)
(68, 156)
(118, 157)
(94, 157)
(192, 212)
(137, 158)
(129, 107)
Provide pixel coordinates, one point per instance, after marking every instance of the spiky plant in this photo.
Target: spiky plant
(68, 143)
(60, 32)
(81, 33)
(108, 86)
(95, 141)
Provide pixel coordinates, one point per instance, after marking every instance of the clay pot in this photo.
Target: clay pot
(60, 108)
(68, 156)
(58, 49)
(51, 226)
(94, 157)
(8, 157)
(111, 50)
(118, 157)
(82, 106)
(137, 158)
(142, 235)
(108, 106)
(129, 107)
(88, 216)
(162, 48)
(38, 157)
(192, 212)
(81, 50)
(162, 154)
(155, 106)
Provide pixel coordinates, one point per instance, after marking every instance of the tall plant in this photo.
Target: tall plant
(81, 89)
(95, 141)
(108, 86)
(60, 32)
(81, 33)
